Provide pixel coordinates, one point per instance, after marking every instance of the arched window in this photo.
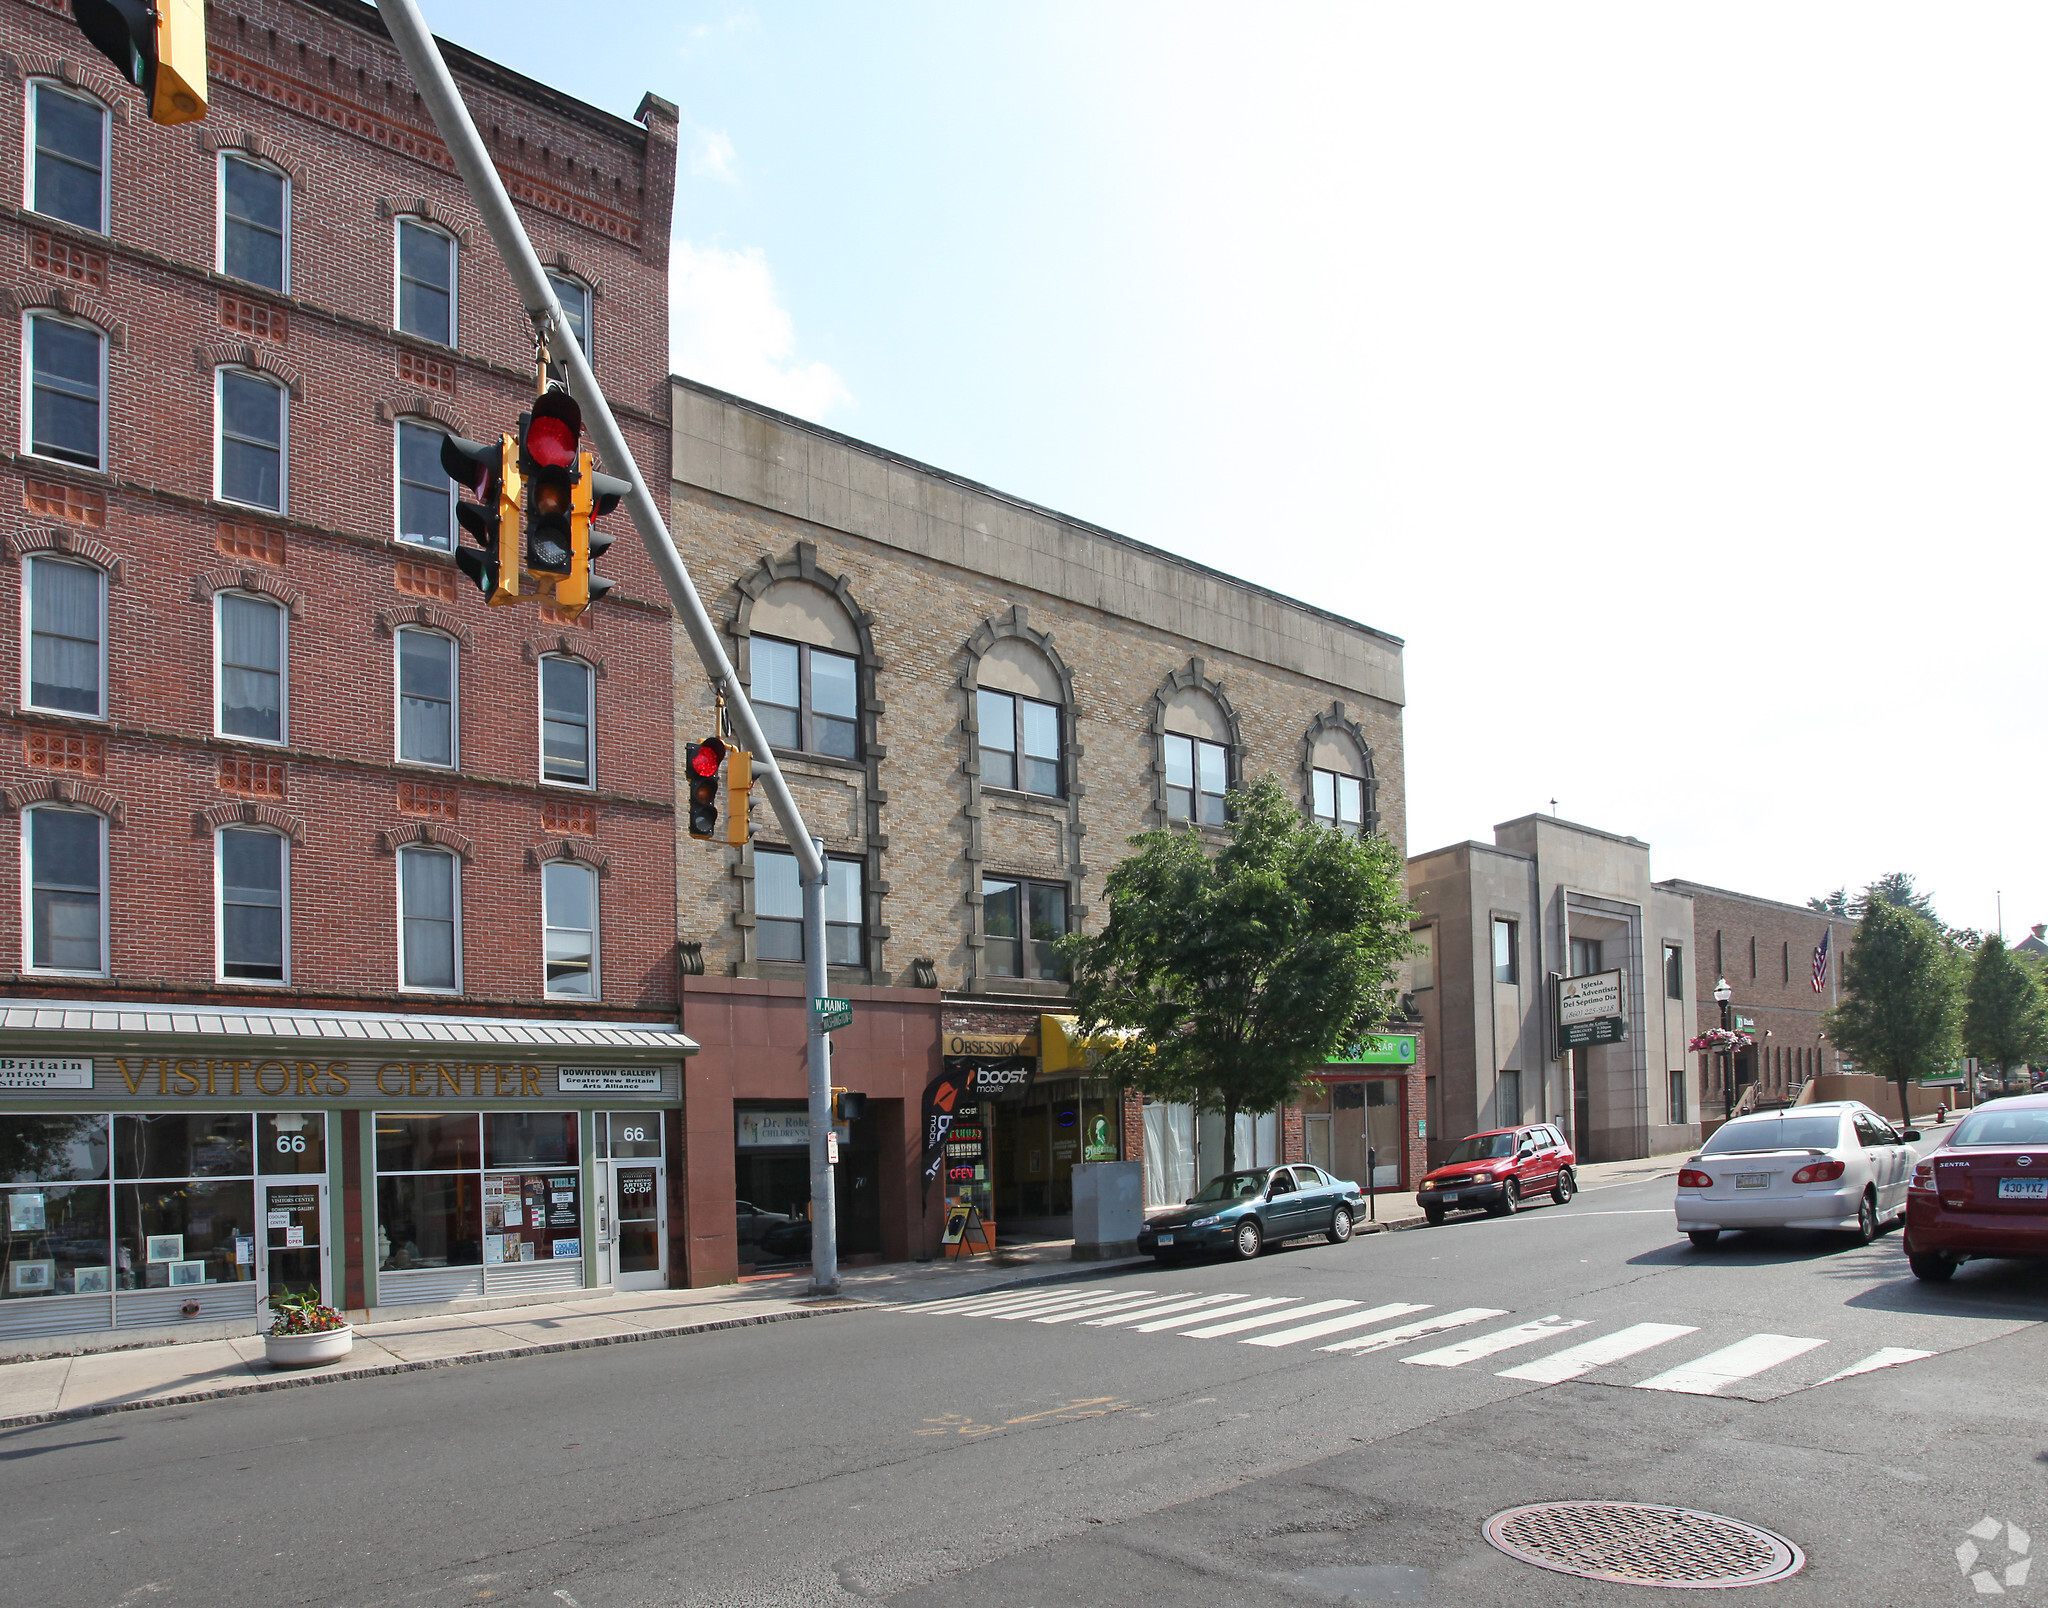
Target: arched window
(803, 664)
(426, 689)
(569, 917)
(252, 413)
(255, 222)
(66, 415)
(64, 881)
(1197, 745)
(426, 496)
(249, 667)
(1019, 719)
(252, 900)
(424, 275)
(574, 296)
(65, 655)
(67, 170)
(1337, 784)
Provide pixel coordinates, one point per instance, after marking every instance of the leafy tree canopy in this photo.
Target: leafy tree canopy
(1229, 977)
(1901, 1009)
(2005, 1010)
(1895, 888)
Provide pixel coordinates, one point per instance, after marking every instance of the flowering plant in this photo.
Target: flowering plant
(301, 1314)
(1722, 1040)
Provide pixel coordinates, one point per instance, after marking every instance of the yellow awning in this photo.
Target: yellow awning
(1061, 1048)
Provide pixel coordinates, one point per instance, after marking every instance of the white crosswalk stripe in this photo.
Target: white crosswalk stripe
(1251, 1304)
(1573, 1361)
(1160, 1311)
(1487, 1345)
(1105, 1306)
(1033, 1309)
(1217, 1331)
(1351, 1320)
(1415, 1331)
(1743, 1360)
(1884, 1357)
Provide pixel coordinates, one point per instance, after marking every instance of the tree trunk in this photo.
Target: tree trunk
(1230, 1133)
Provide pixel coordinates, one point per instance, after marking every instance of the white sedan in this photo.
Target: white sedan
(1834, 1165)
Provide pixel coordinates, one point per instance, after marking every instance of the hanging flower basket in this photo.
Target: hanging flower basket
(1722, 1041)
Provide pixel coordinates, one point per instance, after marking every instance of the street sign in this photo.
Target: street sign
(832, 1013)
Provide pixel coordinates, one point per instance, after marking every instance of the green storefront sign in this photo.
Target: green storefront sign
(1384, 1049)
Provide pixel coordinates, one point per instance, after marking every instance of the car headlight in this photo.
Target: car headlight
(1205, 1222)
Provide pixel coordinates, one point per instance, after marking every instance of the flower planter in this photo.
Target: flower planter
(307, 1350)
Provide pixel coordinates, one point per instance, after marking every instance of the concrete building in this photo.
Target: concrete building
(343, 918)
(1504, 925)
(977, 701)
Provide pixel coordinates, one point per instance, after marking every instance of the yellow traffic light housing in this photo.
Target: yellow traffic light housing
(701, 762)
(739, 782)
(591, 496)
(159, 47)
(491, 470)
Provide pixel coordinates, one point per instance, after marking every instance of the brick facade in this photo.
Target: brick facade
(314, 89)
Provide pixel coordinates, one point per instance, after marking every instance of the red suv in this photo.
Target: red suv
(1500, 1170)
(1983, 1191)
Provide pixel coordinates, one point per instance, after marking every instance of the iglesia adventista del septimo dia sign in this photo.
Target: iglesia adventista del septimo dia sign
(1591, 1010)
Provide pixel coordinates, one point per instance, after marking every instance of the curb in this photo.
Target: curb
(504, 1354)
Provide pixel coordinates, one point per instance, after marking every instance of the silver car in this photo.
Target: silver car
(1834, 1165)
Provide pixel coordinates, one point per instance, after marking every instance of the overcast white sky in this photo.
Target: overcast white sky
(1670, 377)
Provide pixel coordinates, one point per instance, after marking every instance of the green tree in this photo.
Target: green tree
(1227, 978)
(2005, 1011)
(1901, 1008)
(1894, 888)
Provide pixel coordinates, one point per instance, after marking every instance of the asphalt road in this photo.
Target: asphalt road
(966, 1458)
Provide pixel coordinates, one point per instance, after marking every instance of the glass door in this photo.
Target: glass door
(291, 1207)
(639, 1247)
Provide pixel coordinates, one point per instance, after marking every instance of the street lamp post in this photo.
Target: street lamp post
(1722, 995)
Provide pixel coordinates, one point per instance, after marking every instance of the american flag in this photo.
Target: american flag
(1820, 962)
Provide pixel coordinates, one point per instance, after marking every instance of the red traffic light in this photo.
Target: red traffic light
(706, 757)
(553, 430)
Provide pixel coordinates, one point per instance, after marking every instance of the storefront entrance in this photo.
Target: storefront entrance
(772, 1186)
(632, 1207)
(1345, 1118)
(291, 1188)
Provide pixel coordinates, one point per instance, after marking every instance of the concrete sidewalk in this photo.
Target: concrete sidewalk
(173, 1373)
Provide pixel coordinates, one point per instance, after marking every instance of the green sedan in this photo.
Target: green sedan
(1244, 1212)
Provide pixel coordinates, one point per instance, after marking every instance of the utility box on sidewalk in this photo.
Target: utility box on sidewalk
(1109, 1208)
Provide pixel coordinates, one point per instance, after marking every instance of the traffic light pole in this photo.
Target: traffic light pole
(437, 89)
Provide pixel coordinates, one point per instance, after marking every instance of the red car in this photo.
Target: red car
(1499, 1170)
(1983, 1191)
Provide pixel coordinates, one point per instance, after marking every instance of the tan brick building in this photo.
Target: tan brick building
(977, 701)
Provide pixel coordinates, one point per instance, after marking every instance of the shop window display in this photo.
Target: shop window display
(458, 1190)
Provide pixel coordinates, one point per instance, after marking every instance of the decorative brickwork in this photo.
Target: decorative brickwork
(392, 839)
(74, 753)
(569, 819)
(64, 791)
(252, 778)
(425, 579)
(258, 543)
(62, 260)
(63, 539)
(248, 317)
(209, 821)
(52, 499)
(434, 801)
(431, 372)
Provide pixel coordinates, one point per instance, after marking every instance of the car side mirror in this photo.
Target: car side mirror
(1525, 1152)
(1910, 1135)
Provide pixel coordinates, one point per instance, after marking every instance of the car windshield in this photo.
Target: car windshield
(1776, 1133)
(2003, 1128)
(1235, 1186)
(1482, 1147)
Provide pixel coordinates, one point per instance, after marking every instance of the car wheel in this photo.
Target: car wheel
(1510, 1200)
(1435, 1214)
(1866, 1220)
(1565, 1187)
(1250, 1239)
(1703, 1238)
(1931, 1269)
(1340, 1225)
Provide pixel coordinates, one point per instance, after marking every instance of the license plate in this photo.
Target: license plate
(1164, 1239)
(1752, 1180)
(2023, 1189)
(1450, 1194)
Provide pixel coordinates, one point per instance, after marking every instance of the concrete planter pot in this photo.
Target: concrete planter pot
(308, 1350)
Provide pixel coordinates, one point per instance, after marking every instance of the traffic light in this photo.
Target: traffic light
(592, 496)
(491, 470)
(848, 1105)
(159, 48)
(548, 457)
(739, 782)
(701, 762)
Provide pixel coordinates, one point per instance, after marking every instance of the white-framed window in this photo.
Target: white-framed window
(574, 296)
(429, 921)
(426, 683)
(1019, 741)
(67, 155)
(252, 898)
(64, 651)
(568, 721)
(807, 699)
(249, 667)
(569, 916)
(426, 496)
(424, 266)
(252, 413)
(66, 416)
(1020, 923)
(1197, 777)
(255, 222)
(64, 881)
(779, 909)
(1339, 802)
(1507, 959)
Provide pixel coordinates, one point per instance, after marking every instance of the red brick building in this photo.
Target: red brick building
(343, 913)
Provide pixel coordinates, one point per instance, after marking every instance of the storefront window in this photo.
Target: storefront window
(200, 1145)
(427, 1143)
(41, 1150)
(429, 1220)
(173, 1234)
(291, 1142)
(633, 1136)
(1343, 1119)
(56, 1241)
(459, 1190)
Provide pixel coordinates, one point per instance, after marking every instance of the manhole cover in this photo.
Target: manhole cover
(1642, 1545)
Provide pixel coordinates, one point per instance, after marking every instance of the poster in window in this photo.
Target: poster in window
(92, 1280)
(187, 1273)
(164, 1248)
(25, 1212)
(494, 1247)
(32, 1278)
(568, 1248)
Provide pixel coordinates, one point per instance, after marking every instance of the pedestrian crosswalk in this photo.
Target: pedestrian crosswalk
(1354, 1328)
